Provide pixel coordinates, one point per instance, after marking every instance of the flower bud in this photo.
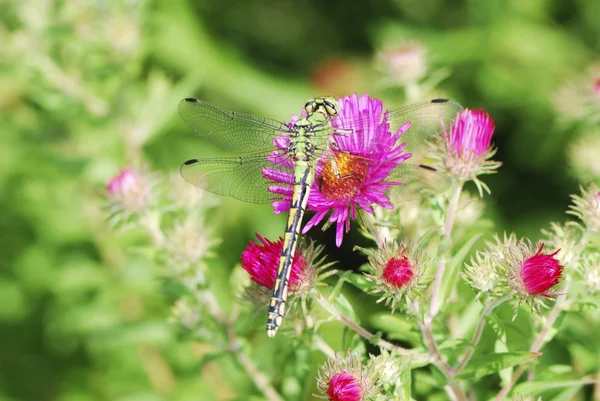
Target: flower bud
(346, 379)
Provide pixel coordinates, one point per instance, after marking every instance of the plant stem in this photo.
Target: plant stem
(535, 347)
(325, 304)
(439, 276)
(452, 388)
(263, 383)
(151, 221)
(487, 309)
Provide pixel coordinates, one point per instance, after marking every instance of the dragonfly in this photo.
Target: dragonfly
(310, 139)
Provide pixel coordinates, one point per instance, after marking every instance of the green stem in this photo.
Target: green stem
(487, 309)
(446, 247)
(151, 222)
(263, 383)
(325, 304)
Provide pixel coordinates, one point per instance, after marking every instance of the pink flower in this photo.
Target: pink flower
(127, 181)
(262, 261)
(129, 191)
(344, 387)
(470, 135)
(398, 271)
(468, 149)
(540, 273)
(364, 157)
(347, 379)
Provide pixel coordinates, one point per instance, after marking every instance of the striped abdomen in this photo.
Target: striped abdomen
(303, 179)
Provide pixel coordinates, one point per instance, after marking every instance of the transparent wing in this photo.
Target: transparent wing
(239, 177)
(236, 132)
(426, 120)
(416, 180)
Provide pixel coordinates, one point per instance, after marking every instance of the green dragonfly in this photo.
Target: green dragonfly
(311, 138)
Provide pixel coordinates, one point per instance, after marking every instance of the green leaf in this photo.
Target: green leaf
(452, 269)
(396, 327)
(567, 394)
(360, 282)
(539, 386)
(497, 325)
(487, 364)
(340, 283)
(405, 382)
(345, 307)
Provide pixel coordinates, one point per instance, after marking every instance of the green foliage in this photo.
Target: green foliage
(87, 88)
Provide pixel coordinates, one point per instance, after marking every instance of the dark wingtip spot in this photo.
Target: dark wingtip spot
(190, 100)
(440, 101)
(426, 167)
(190, 162)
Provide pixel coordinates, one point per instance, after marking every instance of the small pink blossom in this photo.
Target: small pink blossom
(344, 387)
(541, 272)
(398, 271)
(347, 379)
(262, 260)
(130, 191)
(127, 181)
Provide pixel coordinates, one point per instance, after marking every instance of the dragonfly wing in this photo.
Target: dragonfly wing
(238, 177)
(236, 132)
(416, 180)
(426, 120)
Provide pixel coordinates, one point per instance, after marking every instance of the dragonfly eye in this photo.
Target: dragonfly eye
(309, 106)
(331, 108)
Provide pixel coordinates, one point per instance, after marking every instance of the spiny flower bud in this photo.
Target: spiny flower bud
(579, 99)
(590, 272)
(188, 242)
(395, 271)
(512, 267)
(583, 156)
(587, 207)
(346, 379)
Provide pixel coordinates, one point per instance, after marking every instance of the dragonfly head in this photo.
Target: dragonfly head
(327, 106)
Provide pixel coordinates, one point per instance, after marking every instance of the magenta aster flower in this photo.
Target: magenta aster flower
(540, 273)
(468, 146)
(344, 387)
(365, 156)
(470, 135)
(261, 262)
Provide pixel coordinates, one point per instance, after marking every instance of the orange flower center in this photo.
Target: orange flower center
(342, 175)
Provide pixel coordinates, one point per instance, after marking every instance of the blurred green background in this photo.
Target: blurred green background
(88, 87)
